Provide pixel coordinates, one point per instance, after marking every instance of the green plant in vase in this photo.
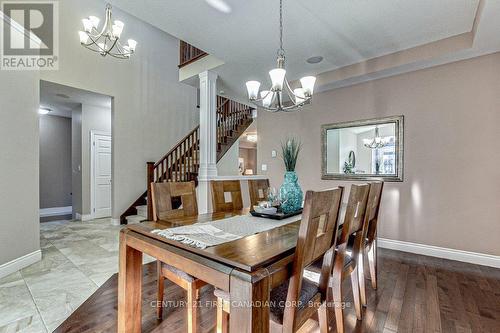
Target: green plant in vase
(290, 192)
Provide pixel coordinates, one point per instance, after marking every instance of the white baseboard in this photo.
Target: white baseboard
(19, 263)
(441, 252)
(83, 217)
(56, 211)
(115, 222)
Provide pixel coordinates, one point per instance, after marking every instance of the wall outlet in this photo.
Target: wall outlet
(274, 153)
(264, 167)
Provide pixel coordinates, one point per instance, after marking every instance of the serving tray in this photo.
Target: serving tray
(276, 216)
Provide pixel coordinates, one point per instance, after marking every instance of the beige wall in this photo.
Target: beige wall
(450, 196)
(228, 164)
(94, 118)
(19, 165)
(76, 159)
(55, 161)
(250, 157)
(152, 110)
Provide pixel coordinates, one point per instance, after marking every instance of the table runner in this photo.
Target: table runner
(203, 235)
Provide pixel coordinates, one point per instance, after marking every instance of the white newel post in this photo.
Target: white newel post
(208, 138)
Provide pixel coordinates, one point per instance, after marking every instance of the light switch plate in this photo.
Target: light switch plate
(264, 167)
(274, 153)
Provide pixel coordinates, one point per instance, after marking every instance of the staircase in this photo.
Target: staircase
(182, 162)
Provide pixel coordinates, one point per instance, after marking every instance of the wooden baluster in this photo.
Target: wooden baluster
(169, 167)
(149, 180)
(179, 160)
(191, 160)
(232, 113)
(183, 166)
(188, 164)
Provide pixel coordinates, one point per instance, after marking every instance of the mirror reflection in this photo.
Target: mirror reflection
(363, 150)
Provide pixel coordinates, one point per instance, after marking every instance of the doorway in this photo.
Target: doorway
(87, 168)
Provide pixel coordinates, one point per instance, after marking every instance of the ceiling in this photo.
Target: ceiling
(344, 32)
(62, 100)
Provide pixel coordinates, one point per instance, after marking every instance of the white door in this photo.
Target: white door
(101, 175)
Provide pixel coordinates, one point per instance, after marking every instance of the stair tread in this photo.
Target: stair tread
(133, 219)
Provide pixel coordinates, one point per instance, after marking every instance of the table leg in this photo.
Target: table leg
(249, 302)
(129, 288)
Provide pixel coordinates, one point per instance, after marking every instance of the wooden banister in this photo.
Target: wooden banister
(181, 163)
(188, 54)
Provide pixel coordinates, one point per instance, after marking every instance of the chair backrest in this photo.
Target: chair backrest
(372, 210)
(258, 189)
(162, 195)
(233, 190)
(317, 229)
(355, 211)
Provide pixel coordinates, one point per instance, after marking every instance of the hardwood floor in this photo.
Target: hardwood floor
(415, 294)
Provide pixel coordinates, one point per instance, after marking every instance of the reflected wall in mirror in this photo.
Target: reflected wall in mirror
(363, 150)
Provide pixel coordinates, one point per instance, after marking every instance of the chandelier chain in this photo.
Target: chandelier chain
(281, 51)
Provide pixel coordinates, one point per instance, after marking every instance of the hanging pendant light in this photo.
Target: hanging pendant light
(106, 42)
(272, 99)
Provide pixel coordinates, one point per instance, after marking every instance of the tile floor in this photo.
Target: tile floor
(77, 258)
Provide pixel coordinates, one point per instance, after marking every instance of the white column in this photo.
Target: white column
(208, 139)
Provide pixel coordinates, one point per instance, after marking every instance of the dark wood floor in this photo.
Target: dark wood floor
(416, 294)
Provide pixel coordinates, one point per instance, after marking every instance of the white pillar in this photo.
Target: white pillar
(208, 139)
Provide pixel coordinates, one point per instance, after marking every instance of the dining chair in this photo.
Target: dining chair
(347, 251)
(369, 243)
(162, 195)
(293, 302)
(257, 189)
(219, 190)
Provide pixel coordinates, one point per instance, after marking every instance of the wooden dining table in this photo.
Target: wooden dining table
(247, 268)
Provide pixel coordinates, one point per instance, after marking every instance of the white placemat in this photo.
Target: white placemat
(203, 235)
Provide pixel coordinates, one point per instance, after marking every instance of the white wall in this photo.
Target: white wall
(152, 110)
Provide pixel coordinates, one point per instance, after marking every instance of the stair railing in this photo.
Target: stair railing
(181, 163)
(188, 54)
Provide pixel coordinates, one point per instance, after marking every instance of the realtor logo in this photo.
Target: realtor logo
(29, 33)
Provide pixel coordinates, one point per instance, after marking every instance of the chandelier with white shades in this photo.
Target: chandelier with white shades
(272, 99)
(106, 41)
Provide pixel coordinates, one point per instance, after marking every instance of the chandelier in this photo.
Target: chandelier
(106, 41)
(375, 143)
(273, 99)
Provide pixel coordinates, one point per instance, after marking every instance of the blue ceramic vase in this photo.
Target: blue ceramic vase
(291, 193)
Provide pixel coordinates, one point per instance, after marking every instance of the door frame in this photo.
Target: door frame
(93, 133)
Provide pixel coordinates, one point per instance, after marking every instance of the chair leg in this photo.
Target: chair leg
(161, 280)
(372, 263)
(337, 301)
(192, 307)
(355, 292)
(222, 317)
(323, 318)
(361, 278)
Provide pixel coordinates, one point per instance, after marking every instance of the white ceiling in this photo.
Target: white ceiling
(62, 100)
(344, 32)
